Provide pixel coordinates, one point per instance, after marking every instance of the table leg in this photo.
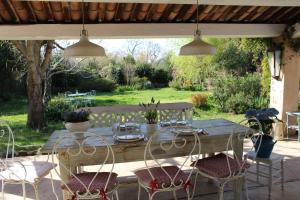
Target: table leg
(238, 150)
(64, 168)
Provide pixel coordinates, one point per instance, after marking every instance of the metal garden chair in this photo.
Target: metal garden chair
(20, 172)
(228, 166)
(87, 185)
(158, 177)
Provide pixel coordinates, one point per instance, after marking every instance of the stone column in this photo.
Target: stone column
(284, 91)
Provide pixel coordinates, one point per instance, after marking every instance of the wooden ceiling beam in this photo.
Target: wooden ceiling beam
(250, 11)
(182, 13)
(33, 17)
(205, 12)
(159, 12)
(166, 13)
(50, 12)
(11, 10)
(284, 13)
(101, 13)
(92, 12)
(259, 12)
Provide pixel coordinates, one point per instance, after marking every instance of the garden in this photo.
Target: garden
(225, 85)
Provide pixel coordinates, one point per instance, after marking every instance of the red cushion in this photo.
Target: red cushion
(161, 176)
(86, 178)
(217, 166)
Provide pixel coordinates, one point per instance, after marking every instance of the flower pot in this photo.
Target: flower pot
(264, 146)
(78, 127)
(151, 128)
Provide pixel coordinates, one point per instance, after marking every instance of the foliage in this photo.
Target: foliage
(71, 82)
(185, 85)
(151, 113)
(266, 117)
(294, 43)
(192, 68)
(236, 94)
(199, 100)
(144, 70)
(75, 117)
(232, 59)
(55, 108)
(11, 69)
(266, 78)
(141, 83)
(117, 75)
(160, 77)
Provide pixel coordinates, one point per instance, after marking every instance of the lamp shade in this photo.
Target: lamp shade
(84, 48)
(197, 47)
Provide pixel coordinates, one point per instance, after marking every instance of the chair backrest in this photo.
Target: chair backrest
(81, 151)
(104, 116)
(156, 147)
(7, 143)
(250, 132)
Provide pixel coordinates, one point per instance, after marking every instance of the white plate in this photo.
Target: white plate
(184, 131)
(129, 138)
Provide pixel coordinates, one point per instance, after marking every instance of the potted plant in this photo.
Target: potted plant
(77, 121)
(151, 113)
(267, 117)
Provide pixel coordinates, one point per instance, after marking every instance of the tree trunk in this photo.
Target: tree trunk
(36, 69)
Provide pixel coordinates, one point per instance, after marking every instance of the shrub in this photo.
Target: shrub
(141, 83)
(125, 88)
(144, 70)
(160, 77)
(176, 84)
(98, 84)
(238, 103)
(199, 100)
(236, 94)
(55, 108)
(117, 75)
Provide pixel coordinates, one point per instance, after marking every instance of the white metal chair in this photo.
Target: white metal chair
(158, 177)
(20, 172)
(289, 126)
(228, 166)
(87, 185)
(271, 169)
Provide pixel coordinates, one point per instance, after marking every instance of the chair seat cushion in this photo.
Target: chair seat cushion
(80, 182)
(26, 171)
(221, 166)
(161, 176)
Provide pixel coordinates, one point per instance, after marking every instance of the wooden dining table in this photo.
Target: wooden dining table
(219, 131)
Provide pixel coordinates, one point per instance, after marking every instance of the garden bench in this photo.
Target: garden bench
(105, 116)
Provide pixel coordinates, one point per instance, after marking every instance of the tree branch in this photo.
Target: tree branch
(59, 46)
(47, 56)
(21, 46)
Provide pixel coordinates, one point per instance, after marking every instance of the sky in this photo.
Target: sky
(119, 45)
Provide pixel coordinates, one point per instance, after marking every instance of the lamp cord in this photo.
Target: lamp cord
(82, 8)
(197, 16)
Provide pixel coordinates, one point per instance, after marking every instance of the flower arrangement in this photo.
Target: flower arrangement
(76, 117)
(151, 113)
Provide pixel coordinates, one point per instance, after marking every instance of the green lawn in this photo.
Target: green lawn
(15, 111)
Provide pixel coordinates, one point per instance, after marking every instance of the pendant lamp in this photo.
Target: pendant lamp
(84, 48)
(197, 46)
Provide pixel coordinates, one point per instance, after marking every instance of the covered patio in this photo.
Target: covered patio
(109, 19)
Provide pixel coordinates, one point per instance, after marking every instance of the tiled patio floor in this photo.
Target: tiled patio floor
(291, 150)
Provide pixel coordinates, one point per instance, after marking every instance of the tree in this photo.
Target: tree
(37, 54)
(129, 65)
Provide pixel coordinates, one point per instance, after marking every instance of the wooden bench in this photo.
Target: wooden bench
(104, 116)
